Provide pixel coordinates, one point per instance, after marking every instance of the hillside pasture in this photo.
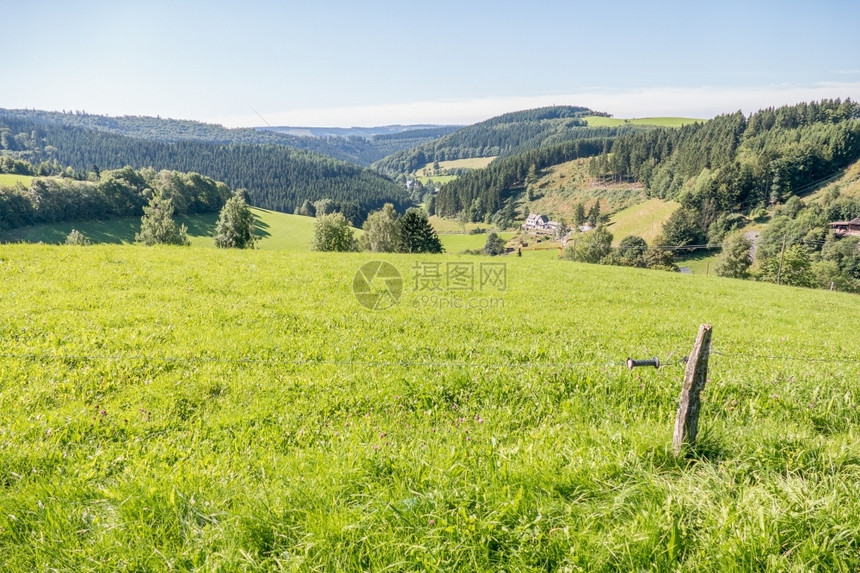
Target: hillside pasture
(459, 242)
(434, 179)
(277, 231)
(643, 219)
(600, 121)
(175, 409)
(11, 180)
(560, 187)
(846, 184)
(425, 174)
(468, 163)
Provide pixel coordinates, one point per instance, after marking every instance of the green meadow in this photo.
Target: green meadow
(468, 163)
(600, 121)
(10, 179)
(456, 243)
(169, 409)
(642, 219)
(277, 231)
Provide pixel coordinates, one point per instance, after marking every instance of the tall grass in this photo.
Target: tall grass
(177, 409)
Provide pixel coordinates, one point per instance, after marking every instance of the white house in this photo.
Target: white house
(538, 223)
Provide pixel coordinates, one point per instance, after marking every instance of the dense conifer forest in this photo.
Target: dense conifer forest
(352, 148)
(275, 177)
(503, 136)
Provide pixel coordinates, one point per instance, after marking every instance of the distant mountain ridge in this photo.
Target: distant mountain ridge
(365, 132)
(276, 177)
(361, 146)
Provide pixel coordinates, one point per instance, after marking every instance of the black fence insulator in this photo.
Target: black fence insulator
(631, 364)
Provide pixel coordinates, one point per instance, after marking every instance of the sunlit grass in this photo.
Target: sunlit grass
(642, 220)
(276, 231)
(175, 409)
(599, 121)
(11, 180)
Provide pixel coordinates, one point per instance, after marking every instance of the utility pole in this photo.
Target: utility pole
(781, 254)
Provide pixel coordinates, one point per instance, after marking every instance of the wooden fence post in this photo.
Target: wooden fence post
(695, 376)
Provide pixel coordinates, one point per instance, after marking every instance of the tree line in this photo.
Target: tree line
(112, 193)
(276, 177)
(384, 232)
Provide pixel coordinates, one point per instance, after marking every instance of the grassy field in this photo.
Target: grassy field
(599, 121)
(277, 231)
(561, 186)
(456, 243)
(643, 219)
(702, 262)
(10, 180)
(175, 409)
(452, 226)
(469, 163)
(435, 179)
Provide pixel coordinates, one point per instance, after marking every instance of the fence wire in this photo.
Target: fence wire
(192, 360)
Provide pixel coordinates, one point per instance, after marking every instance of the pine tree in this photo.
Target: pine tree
(416, 234)
(157, 225)
(594, 214)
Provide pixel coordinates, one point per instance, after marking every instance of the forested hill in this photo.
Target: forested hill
(357, 149)
(503, 136)
(276, 177)
(492, 191)
(736, 164)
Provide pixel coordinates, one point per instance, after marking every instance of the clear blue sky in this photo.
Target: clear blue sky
(345, 63)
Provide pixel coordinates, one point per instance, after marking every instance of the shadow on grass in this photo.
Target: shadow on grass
(111, 231)
(199, 225)
(115, 231)
(708, 448)
(260, 229)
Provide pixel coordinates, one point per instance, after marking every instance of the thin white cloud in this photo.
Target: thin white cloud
(699, 102)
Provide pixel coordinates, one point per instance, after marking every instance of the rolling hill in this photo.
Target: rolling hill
(356, 145)
(503, 136)
(276, 177)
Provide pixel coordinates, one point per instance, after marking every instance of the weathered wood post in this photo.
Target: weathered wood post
(695, 376)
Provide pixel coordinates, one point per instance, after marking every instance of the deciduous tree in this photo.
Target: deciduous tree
(380, 231)
(235, 226)
(495, 245)
(735, 260)
(333, 233)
